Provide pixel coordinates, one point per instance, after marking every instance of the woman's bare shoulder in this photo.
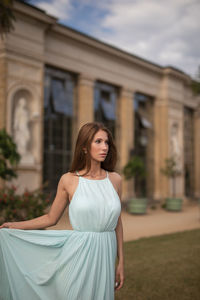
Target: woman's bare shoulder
(69, 175)
(116, 180)
(69, 178)
(115, 176)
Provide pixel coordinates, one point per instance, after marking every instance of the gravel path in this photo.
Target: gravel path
(155, 222)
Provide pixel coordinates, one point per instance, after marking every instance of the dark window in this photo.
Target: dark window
(143, 139)
(105, 105)
(188, 151)
(58, 115)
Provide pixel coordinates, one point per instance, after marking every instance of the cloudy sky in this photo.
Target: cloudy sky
(164, 32)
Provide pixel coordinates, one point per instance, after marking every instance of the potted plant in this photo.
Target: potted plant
(171, 171)
(136, 168)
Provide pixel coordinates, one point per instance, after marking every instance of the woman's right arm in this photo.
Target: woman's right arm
(49, 219)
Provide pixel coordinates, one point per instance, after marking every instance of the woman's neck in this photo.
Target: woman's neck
(95, 171)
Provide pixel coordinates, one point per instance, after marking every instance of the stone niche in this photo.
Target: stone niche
(24, 125)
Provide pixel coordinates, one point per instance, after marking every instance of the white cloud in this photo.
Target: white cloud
(163, 32)
(57, 8)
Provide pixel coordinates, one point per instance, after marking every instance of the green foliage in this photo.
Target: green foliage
(153, 207)
(6, 16)
(15, 207)
(164, 205)
(170, 169)
(135, 168)
(195, 85)
(9, 156)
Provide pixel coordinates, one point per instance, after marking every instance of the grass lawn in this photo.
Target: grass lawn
(163, 267)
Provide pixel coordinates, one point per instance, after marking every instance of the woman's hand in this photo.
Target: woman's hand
(7, 225)
(119, 276)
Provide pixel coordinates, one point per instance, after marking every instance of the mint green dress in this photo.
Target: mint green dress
(76, 264)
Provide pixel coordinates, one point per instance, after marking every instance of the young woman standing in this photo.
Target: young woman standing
(78, 264)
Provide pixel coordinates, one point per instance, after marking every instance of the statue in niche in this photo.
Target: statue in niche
(175, 145)
(21, 130)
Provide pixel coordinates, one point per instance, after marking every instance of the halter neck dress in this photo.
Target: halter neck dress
(76, 264)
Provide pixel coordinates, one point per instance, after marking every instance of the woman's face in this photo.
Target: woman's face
(99, 146)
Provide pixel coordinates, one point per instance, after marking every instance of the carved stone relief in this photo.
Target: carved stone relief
(22, 131)
(175, 144)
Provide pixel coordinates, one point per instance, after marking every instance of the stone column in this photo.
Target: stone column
(85, 100)
(197, 153)
(84, 104)
(125, 136)
(161, 138)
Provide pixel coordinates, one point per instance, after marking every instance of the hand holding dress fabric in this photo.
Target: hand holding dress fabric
(76, 264)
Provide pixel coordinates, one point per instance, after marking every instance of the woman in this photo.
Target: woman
(74, 264)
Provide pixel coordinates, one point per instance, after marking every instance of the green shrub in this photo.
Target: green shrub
(171, 171)
(9, 157)
(20, 207)
(135, 167)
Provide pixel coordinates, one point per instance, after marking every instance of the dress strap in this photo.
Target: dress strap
(78, 173)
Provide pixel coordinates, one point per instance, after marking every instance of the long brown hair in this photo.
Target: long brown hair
(84, 140)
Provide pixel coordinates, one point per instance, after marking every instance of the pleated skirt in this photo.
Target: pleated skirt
(57, 264)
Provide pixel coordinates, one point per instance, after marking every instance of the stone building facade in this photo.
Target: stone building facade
(54, 79)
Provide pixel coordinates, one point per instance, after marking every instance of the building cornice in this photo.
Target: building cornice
(174, 73)
(109, 49)
(54, 27)
(33, 12)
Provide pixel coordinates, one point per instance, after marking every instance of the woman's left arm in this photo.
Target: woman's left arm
(119, 273)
